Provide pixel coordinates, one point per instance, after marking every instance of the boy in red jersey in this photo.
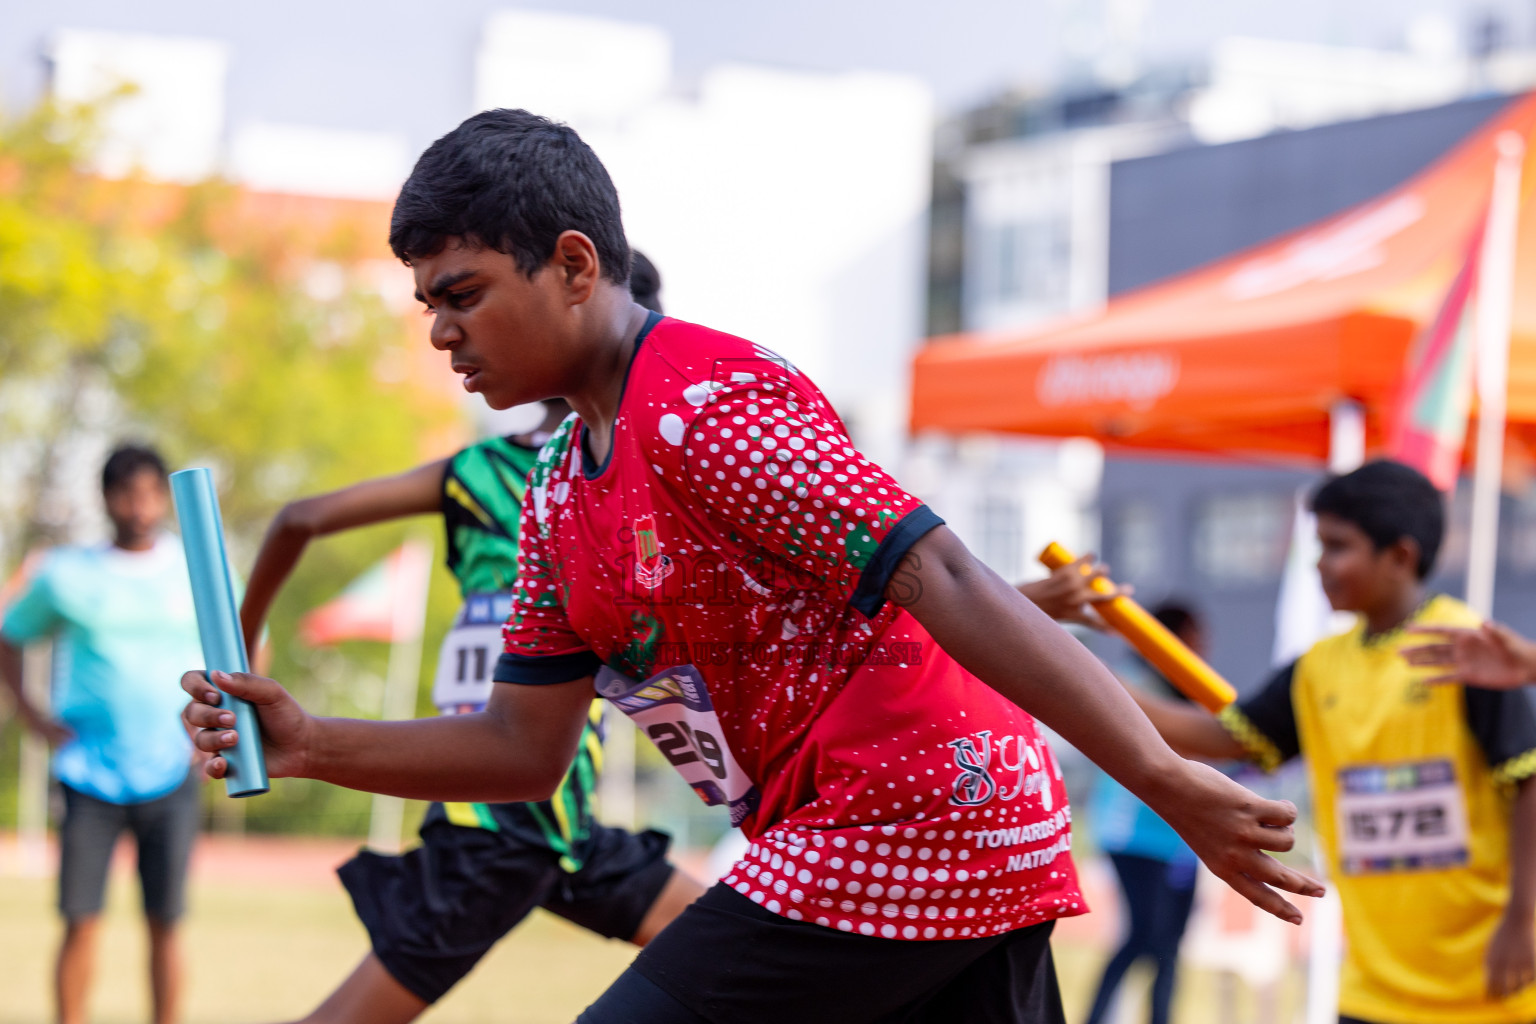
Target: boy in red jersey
(806, 642)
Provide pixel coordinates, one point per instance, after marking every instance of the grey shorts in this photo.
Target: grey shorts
(163, 829)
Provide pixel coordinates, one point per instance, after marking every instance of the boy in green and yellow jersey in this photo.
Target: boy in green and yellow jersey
(1421, 794)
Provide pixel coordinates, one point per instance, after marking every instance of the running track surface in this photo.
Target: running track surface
(297, 862)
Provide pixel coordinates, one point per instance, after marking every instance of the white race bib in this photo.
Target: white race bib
(1408, 816)
(673, 709)
(469, 653)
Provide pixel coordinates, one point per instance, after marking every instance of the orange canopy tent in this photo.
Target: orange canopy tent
(1247, 356)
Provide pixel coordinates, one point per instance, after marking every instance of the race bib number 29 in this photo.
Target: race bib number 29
(674, 710)
(1401, 817)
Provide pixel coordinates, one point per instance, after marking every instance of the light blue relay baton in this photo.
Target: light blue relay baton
(218, 619)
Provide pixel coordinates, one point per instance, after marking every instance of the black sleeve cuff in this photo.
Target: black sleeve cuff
(546, 671)
(1504, 724)
(1516, 769)
(1259, 747)
(869, 597)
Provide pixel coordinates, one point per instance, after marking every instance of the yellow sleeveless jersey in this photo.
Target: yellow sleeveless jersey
(1411, 789)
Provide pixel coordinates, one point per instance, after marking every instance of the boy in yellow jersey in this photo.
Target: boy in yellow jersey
(1421, 794)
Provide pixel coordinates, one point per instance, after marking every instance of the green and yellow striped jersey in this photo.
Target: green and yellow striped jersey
(483, 489)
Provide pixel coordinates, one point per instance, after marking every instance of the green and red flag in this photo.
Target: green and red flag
(378, 605)
(1429, 423)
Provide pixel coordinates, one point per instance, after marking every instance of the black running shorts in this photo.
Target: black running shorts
(434, 911)
(726, 960)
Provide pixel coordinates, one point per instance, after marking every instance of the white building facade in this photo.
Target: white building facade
(785, 206)
(788, 207)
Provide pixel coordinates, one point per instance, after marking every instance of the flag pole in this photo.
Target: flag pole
(386, 817)
(1495, 293)
(616, 790)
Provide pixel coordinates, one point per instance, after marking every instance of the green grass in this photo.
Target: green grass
(296, 940)
(293, 944)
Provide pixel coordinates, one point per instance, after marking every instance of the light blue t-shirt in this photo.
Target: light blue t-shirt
(125, 631)
(1123, 824)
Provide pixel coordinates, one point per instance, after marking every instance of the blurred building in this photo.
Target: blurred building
(1023, 232)
(1046, 206)
(1216, 531)
(787, 206)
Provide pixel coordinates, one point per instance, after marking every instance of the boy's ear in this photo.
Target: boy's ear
(1404, 553)
(575, 260)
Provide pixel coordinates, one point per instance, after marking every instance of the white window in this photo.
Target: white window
(1030, 261)
(1241, 539)
(1002, 533)
(1138, 539)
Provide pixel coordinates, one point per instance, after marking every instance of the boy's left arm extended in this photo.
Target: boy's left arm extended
(1008, 643)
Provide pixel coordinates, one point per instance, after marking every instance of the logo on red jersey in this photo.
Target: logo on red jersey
(974, 785)
(651, 566)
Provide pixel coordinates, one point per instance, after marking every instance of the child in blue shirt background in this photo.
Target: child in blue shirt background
(1155, 867)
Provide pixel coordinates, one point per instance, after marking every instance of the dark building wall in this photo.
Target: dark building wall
(1239, 609)
(1239, 613)
(1175, 211)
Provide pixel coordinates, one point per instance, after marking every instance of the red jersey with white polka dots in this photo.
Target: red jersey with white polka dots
(722, 575)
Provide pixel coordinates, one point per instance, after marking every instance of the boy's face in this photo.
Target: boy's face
(138, 507)
(1357, 577)
(502, 328)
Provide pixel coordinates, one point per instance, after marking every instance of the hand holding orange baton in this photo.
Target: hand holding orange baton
(1168, 654)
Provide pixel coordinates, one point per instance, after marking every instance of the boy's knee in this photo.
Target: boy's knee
(160, 927)
(81, 928)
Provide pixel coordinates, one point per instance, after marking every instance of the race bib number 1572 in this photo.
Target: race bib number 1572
(1408, 816)
(674, 710)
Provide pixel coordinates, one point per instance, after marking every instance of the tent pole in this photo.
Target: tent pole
(1346, 436)
(1302, 614)
(617, 791)
(1495, 291)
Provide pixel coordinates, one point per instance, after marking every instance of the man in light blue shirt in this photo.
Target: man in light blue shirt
(122, 618)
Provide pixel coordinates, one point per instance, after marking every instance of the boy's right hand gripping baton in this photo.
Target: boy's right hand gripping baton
(1168, 654)
(218, 619)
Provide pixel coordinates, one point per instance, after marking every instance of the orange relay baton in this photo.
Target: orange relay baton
(1168, 654)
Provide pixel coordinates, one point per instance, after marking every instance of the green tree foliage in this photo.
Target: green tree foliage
(258, 346)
